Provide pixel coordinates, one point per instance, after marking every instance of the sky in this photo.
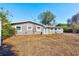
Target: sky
(29, 11)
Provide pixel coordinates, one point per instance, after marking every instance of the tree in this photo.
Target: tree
(46, 17)
(7, 29)
(65, 27)
(74, 27)
(75, 18)
(74, 22)
(61, 24)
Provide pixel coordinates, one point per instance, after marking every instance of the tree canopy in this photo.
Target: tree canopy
(75, 18)
(74, 22)
(7, 29)
(74, 25)
(46, 17)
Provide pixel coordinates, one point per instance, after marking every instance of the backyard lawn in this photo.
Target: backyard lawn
(42, 45)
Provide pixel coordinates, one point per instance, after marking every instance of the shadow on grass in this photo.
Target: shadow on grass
(5, 50)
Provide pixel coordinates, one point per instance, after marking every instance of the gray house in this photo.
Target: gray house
(29, 27)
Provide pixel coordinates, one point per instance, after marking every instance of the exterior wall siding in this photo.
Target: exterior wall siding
(24, 29)
(36, 29)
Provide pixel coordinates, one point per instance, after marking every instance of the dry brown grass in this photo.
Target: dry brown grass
(45, 45)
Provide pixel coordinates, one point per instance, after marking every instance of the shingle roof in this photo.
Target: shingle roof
(27, 22)
(46, 26)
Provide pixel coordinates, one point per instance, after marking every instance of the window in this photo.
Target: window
(18, 28)
(38, 27)
(29, 28)
(52, 28)
(55, 28)
(59, 28)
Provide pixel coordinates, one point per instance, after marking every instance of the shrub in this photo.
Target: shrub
(67, 30)
(7, 31)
